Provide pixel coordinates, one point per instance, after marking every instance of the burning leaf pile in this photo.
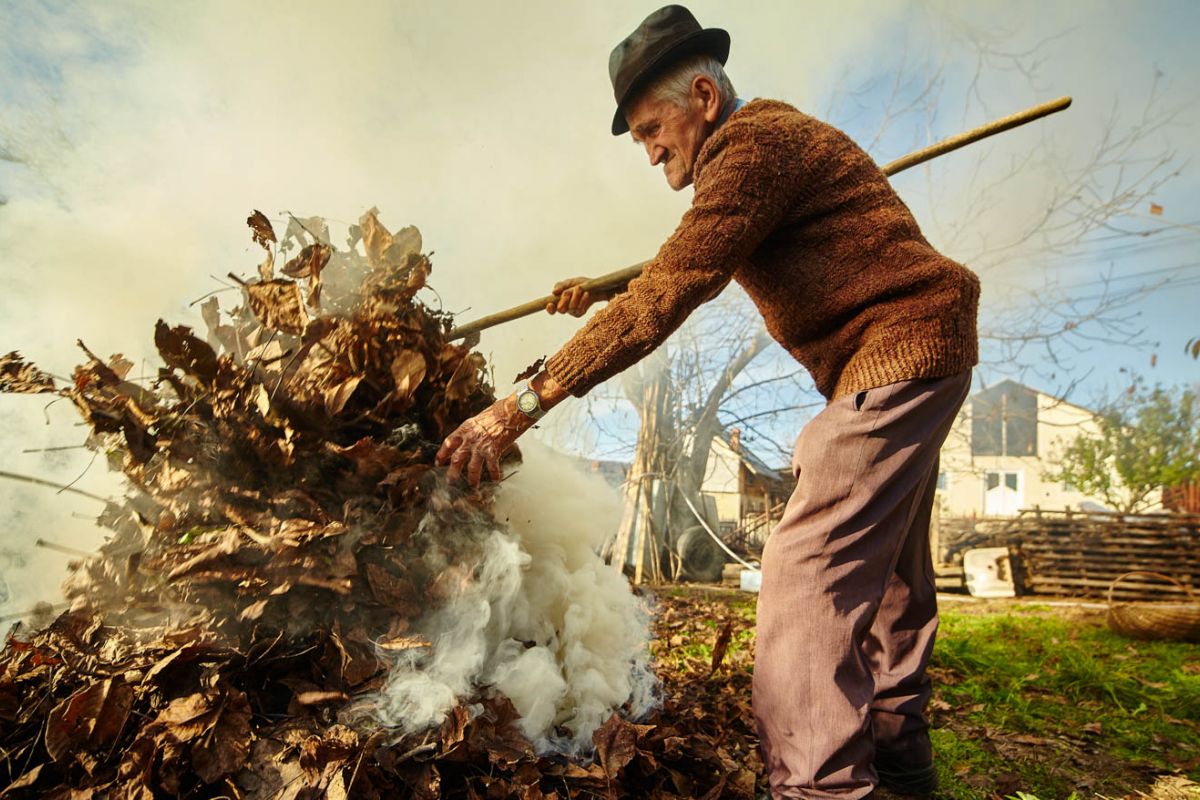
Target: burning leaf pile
(292, 602)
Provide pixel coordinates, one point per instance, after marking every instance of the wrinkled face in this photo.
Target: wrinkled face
(673, 135)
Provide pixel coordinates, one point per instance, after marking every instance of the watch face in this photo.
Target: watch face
(527, 402)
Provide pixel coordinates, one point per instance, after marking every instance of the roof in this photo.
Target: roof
(1008, 384)
(749, 458)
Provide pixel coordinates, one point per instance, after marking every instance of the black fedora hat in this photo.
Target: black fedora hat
(663, 38)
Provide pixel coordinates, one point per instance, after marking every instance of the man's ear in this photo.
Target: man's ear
(705, 94)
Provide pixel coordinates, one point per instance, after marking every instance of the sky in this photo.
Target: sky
(141, 135)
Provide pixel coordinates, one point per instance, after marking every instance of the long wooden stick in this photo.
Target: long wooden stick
(618, 279)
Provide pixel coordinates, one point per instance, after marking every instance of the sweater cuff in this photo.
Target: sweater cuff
(571, 376)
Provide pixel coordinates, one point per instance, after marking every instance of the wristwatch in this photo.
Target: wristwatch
(528, 402)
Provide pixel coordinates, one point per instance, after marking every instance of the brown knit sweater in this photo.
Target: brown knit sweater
(799, 215)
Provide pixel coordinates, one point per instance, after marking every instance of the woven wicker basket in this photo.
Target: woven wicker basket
(1155, 620)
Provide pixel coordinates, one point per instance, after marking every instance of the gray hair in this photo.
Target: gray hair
(675, 84)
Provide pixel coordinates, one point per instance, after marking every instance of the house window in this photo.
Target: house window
(943, 481)
(1004, 421)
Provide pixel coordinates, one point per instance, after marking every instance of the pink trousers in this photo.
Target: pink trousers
(848, 610)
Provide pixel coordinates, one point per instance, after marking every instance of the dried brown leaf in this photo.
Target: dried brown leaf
(386, 250)
(91, 718)
(454, 726)
(263, 233)
(21, 377)
(227, 744)
(392, 590)
(530, 371)
(721, 645)
(418, 269)
(266, 269)
(254, 610)
(183, 654)
(25, 781)
(465, 378)
(120, 365)
(616, 744)
(301, 229)
(181, 350)
(309, 262)
(408, 371)
(277, 304)
(336, 397)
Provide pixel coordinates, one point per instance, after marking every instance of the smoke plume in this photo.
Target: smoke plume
(538, 617)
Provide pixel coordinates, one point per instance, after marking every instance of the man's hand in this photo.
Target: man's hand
(480, 441)
(572, 298)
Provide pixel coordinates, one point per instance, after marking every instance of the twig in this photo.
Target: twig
(80, 475)
(51, 484)
(62, 548)
(54, 449)
(210, 294)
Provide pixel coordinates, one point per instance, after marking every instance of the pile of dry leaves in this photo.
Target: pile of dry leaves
(267, 560)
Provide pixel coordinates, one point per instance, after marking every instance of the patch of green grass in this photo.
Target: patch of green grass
(956, 755)
(970, 769)
(1008, 657)
(1033, 672)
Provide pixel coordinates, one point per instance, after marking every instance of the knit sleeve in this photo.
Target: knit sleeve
(742, 189)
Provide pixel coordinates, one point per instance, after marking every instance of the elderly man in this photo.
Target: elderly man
(801, 217)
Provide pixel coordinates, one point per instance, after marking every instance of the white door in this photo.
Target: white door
(1003, 493)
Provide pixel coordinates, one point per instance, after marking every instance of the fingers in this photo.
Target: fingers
(580, 302)
(475, 468)
(573, 301)
(468, 460)
(571, 298)
(562, 286)
(475, 446)
(452, 443)
(460, 457)
(566, 296)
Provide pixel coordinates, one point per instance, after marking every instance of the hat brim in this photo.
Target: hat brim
(712, 41)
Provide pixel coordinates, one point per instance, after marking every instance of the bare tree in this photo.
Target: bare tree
(685, 395)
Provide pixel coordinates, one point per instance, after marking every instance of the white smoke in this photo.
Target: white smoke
(540, 619)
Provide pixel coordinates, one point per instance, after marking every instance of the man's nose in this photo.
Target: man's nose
(657, 154)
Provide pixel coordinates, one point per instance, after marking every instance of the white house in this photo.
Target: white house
(740, 484)
(1002, 442)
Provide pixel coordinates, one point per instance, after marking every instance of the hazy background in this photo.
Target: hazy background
(137, 137)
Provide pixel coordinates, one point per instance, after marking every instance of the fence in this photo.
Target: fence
(1184, 498)
(1081, 553)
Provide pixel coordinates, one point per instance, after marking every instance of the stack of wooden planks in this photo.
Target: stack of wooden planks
(1082, 553)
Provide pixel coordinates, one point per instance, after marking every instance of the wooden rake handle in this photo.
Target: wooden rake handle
(618, 279)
